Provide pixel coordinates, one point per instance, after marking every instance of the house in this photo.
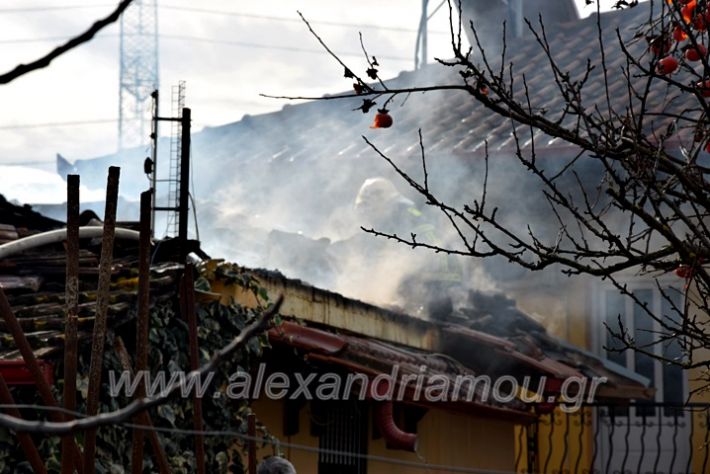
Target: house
(326, 333)
(314, 160)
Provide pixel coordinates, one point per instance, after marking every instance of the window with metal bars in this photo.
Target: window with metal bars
(342, 427)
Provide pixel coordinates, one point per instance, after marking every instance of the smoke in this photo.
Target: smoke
(278, 191)
(29, 185)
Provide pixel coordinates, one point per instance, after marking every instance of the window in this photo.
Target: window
(621, 310)
(342, 427)
(649, 431)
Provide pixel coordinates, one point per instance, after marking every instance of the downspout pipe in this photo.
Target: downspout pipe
(59, 235)
(394, 436)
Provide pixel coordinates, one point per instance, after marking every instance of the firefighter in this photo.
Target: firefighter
(379, 205)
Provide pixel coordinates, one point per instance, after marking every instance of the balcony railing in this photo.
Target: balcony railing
(636, 438)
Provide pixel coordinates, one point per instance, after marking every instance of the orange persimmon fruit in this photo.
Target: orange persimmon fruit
(382, 119)
(667, 65)
(695, 53)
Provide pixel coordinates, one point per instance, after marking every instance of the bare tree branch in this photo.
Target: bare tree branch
(44, 61)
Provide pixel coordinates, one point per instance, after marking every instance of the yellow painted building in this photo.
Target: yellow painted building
(672, 432)
(446, 438)
(328, 330)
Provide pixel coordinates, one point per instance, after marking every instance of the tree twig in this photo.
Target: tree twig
(44, 61)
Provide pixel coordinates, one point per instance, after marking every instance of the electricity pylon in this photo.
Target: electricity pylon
(139, 74)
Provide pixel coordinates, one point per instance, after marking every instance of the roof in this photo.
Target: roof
(451, 121)
(372, 357)
(512, 343)
(24, 219)
(34, 283)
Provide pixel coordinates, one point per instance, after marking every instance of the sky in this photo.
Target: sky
(227, 51)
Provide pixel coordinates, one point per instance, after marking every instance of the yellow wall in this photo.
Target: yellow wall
(335, 311)
(697, 379)
(568, 314)
(444, 438)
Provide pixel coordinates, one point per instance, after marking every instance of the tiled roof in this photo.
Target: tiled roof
(450, 121)
(315, 152)
(34, 283)
(372, 357)
(493, 340)
(326, 135)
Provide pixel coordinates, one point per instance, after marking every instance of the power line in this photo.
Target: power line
(247, 44)
(52, 8)
(198, 39)
(31, 162)
(293, 20)
(317, 450)
(70, 123)
(438, 7)
(253, 16)
(41, 40)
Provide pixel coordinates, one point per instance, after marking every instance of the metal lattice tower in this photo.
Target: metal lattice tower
(138, 72)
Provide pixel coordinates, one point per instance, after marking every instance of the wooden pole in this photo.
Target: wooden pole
(144, 418)
(72, 315)
(251, 431)
(102, 300)
(23, 346)
(26, 442)
(184, 196)
(142, 325)
(187, 300)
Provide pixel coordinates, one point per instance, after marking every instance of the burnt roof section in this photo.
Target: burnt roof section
(492, 340)
(320, 294)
